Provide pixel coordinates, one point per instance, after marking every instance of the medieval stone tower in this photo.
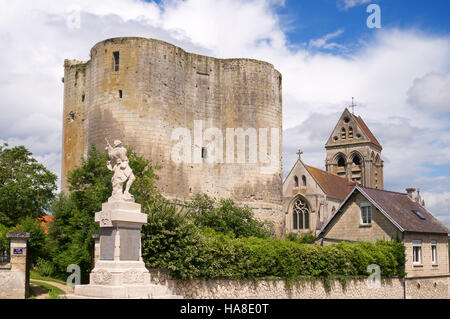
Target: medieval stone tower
(354, 152)
(142, 90)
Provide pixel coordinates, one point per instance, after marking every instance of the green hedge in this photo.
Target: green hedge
(172, 240)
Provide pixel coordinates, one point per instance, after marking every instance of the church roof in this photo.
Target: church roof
(366, 130)
(367, 135)
(405, 213)
(331, 184)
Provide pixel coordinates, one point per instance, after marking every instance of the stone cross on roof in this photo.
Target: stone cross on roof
(299, 153)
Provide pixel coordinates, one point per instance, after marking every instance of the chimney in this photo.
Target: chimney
(411, 192)
(419, 198)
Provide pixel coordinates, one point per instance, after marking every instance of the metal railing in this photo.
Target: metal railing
(4, 257)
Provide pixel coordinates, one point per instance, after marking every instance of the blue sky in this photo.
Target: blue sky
(399, 74)
(311, 19)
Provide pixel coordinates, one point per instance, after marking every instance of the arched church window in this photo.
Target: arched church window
(343, 133)
(350, 132)
(304, 180)
(341, 162)
(301, 211)
(306, 220)
(294, 220)
(295, 181)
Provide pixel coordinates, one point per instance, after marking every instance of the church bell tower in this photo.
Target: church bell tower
(354, 152)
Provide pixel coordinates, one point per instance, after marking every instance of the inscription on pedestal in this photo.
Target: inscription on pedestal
(107, 243)
(130, 239)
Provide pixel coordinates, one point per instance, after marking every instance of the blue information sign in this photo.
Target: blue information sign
(18, 251)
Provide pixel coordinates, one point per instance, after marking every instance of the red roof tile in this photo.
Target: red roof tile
(331, 184)
(366, 130)
(45, 220)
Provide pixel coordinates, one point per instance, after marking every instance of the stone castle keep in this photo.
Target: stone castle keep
(139, 90)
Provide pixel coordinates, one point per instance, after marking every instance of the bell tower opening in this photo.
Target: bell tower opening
(341, 166)
(356, 169)
(354, 152)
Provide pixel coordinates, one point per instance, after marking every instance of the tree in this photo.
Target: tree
(224, 216)
(26, 186)
(90, 186)
(36, 246)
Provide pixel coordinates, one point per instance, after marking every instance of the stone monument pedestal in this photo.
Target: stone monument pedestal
(120, 271)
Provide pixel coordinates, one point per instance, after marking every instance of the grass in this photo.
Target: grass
(53, 292)
(38, 276)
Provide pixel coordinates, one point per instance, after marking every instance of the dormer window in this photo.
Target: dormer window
(366, 213)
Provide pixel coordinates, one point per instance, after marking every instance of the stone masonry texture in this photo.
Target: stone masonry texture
(159, 87)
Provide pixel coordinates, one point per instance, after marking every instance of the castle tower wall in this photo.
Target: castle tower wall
(159, 87)
(73, 116)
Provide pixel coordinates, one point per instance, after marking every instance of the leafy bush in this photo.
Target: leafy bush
(4, 242)
(173, 240)
(36, 245)
(224, 216)
(170, 239)
(307, 238)
(45, 267)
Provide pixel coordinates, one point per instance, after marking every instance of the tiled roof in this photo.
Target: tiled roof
(331, 184)
(45, 220)
(366, 130)
(399, 207)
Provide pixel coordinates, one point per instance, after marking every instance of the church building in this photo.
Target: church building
(353, 157)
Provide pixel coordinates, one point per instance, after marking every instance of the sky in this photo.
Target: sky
(399, 74)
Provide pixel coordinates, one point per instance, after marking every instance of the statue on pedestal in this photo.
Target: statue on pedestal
(118, 163)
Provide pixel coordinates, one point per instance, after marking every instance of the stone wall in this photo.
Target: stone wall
(14, 276)
(431, 287)
(394, 288)
(160, 87)
(12, 282)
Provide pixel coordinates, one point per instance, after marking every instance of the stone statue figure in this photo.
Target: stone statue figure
(118, 163)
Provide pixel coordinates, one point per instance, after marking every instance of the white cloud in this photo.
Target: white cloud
(431, 93)
(347, 4)
(324, 43)
(387, 74)
(435, 202)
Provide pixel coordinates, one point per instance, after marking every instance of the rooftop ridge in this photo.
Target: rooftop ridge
(382, 190)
